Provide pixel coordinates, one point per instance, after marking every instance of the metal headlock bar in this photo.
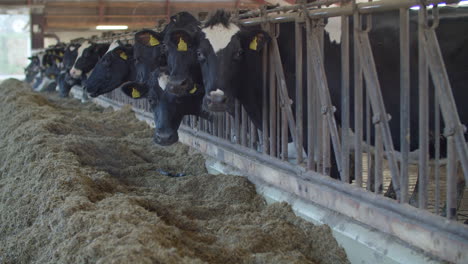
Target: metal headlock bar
(234, 139)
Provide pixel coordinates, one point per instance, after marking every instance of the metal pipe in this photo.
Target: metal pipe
(378, 173)
(358, 102)
(451, 179)
(347, 10)
(273, 120)
(345, 97)
(310, 98)
(404, 102)
(423, 80)
(244, 122)
(266, 142)
(237, 121)
(299, 91)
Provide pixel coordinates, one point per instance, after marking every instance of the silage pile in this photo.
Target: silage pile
(79, 184)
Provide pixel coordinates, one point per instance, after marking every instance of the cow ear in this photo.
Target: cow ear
(121, 53)
(255, 40)
(135, 90)
(181, 40)
(148, 38)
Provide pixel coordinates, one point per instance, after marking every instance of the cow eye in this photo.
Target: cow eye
(200, 56)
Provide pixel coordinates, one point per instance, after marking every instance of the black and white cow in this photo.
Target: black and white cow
(180, 39)
(32, 69)
(126, 63)
(114, 68)
(169, 109)
(65, 81)
(51, 64)
(88, 55)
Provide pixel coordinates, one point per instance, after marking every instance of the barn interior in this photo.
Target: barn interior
(82, 180)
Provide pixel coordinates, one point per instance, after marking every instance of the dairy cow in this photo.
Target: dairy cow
(65, 81)
(169, 109)
(126, 63)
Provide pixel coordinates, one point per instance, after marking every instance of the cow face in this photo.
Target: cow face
(88, 56)
(112, 70)
(32, 69)
(168, 109)
(180, 39)
(224, 52)
(148, 53)
(70, 54)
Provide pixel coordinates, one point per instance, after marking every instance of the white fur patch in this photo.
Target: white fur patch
(83, 46)
(72, 48)
(163, 79)
(75, 73)
(333, 28)
(219, 36)
(217, 92)
(45, 82)
(113, 45)
(279, 2)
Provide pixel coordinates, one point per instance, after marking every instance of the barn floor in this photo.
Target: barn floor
(80, 184)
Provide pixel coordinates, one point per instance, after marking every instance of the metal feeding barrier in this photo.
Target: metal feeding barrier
(421, 191)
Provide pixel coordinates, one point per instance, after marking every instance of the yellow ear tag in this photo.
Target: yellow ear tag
(57, 60)
(61, 54)
(182, 46)
(135, 93)
(52, 76)
(123, 56)
(253, 44)
(153, 41)
(193, 90)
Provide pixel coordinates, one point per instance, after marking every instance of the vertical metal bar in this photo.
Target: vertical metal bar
(358, 102)
(325, 129)
(451, 179)
(284, 135)
(227, 132)
(253, 135)
(345, 97)
(404, 102)
(299, 92)
(237, 121)
(310, 99)
(215, 125)
(378, 175)
(266, 142)
(370, 173)
(220, 126)
(244, 122)
(437, 152)
(272, 105)
(423, 79)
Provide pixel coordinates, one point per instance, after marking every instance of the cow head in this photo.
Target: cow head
(168, 109)
(88, 55)
(32, 69)
(70, 54)
(113, 69)
(148, 53)
(224, 50)
(181, 40)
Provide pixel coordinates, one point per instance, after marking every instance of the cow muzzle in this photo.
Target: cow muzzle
(165, 138)
(216, 101)
(179, 87)
(75, 73)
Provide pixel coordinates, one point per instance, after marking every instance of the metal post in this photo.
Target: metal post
(358, 102)
(423, 115)
(237, 121)
(244, 122)
(345, 97)
(404, 102)
(451, 179)
(266, 142)
(299, 92)
(310, 98)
